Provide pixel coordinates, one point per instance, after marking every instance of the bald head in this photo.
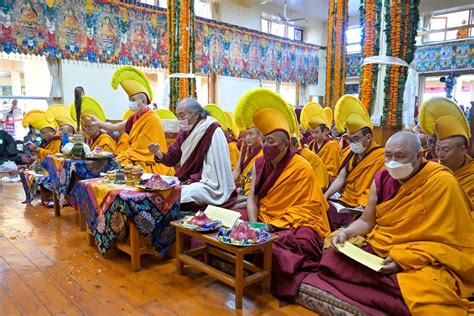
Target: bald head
(409, 140)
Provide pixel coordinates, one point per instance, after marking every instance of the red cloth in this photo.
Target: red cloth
(386, 186)
(45, 142)
(192, 168)
(240, 143)
(314, 146)
(266, 174)
(296, 253)
(348, 280)
(306, 138)
(338, 220)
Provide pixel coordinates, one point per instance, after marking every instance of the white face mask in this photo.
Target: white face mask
(184, 125)
(399, 170)
(133, 106)
(357, 148)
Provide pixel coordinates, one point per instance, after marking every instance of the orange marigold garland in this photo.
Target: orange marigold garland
(401, 18)
(370, 18)
(336, 54)
(181, 53)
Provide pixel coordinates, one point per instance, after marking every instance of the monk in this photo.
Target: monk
(97, 138)
(251, 150)
(203, 156)
(122, 142)
(144, 127)
(285, 194)
(359, 166)
(50, 145)
(327, 149)
(316, 163)
(418, 220)
(430, 153)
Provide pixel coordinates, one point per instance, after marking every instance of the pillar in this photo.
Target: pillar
(336, 55)
(181, 49)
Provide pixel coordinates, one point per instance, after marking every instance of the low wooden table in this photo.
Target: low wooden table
(229, 253)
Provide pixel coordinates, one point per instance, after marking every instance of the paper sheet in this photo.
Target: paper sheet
(227, 217)
(344, 209)
(367, 259)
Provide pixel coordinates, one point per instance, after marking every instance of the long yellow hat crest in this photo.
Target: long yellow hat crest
(350, 113)
(32, 116)
(312, 115)
(90, 107)
(217, 113)
(132, 80)
(442, 117)
(165, 114)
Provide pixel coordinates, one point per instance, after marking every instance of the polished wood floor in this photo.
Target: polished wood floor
(47, 268)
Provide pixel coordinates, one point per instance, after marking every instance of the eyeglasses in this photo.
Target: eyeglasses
(356, 139)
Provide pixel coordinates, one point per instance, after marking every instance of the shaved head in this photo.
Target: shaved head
(408, 140)
(452, 151)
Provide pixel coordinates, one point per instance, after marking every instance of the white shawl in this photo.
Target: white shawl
(217, 182)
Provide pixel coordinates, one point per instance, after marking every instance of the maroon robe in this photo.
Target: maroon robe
(244, 159)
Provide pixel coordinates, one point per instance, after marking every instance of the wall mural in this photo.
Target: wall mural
(120, 33)
(450, 56)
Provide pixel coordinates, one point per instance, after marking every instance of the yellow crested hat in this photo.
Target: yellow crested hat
(61, 114)
(41, 122)
(350, 112)
(90, 107)
(312, 115)
(442, 117)
(127, 115)
(266, 110)
(216, 112)
(32, 116)
(231, 123)
(329, 116)
(165, 114)
(132, 80)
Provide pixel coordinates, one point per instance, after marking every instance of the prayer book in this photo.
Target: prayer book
(345, 209)
(227, 217)
(367, 259)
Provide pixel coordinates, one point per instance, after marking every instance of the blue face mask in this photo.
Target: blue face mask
(65, 140)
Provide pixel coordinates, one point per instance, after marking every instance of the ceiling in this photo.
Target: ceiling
(318, 9)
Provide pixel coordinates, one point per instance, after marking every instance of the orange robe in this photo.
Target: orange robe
(122, 143)
(106, 142)
(52, 148)
(318, 167)
(295, 200)
(359, 179)
(147, 129)
(244, 181)
(331, 154)
(427, 229)
(234, 154)
(465, 176)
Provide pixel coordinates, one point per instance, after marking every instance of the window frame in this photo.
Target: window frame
(286, 29)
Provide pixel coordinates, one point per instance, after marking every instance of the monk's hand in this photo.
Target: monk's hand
(339, 239)
(93, 121)
(155, 149)
(390, 266)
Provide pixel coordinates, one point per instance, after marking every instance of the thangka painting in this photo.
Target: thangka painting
(455, 56)
(229, 50)
(115, 32)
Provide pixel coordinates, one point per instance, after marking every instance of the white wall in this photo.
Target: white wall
(316, 33)
(230, 89)
(96, 80)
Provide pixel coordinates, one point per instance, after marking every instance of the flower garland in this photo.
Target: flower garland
(370, 19)
(181, 41)
(336, 54)
(401, 18)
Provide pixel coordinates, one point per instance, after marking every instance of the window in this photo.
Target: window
(281, 29)
(450, 26)
(150, 2)
(354, 35)
(162, 3)
(203, 9)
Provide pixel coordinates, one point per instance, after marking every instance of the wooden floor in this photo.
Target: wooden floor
(47, 268)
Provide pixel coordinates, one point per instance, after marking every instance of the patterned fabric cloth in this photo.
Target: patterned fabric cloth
(107, 207)
(32, 183)
(61, 172)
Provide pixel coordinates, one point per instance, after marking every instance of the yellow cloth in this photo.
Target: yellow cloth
(295, 200)
(331, 155)
(427, 229)
(106, 142)
(122, 143)
(465, 176)
(245, 179)
(52, 148)
(318, 167)
(234, 154)
(358, 181)
(147, 129)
